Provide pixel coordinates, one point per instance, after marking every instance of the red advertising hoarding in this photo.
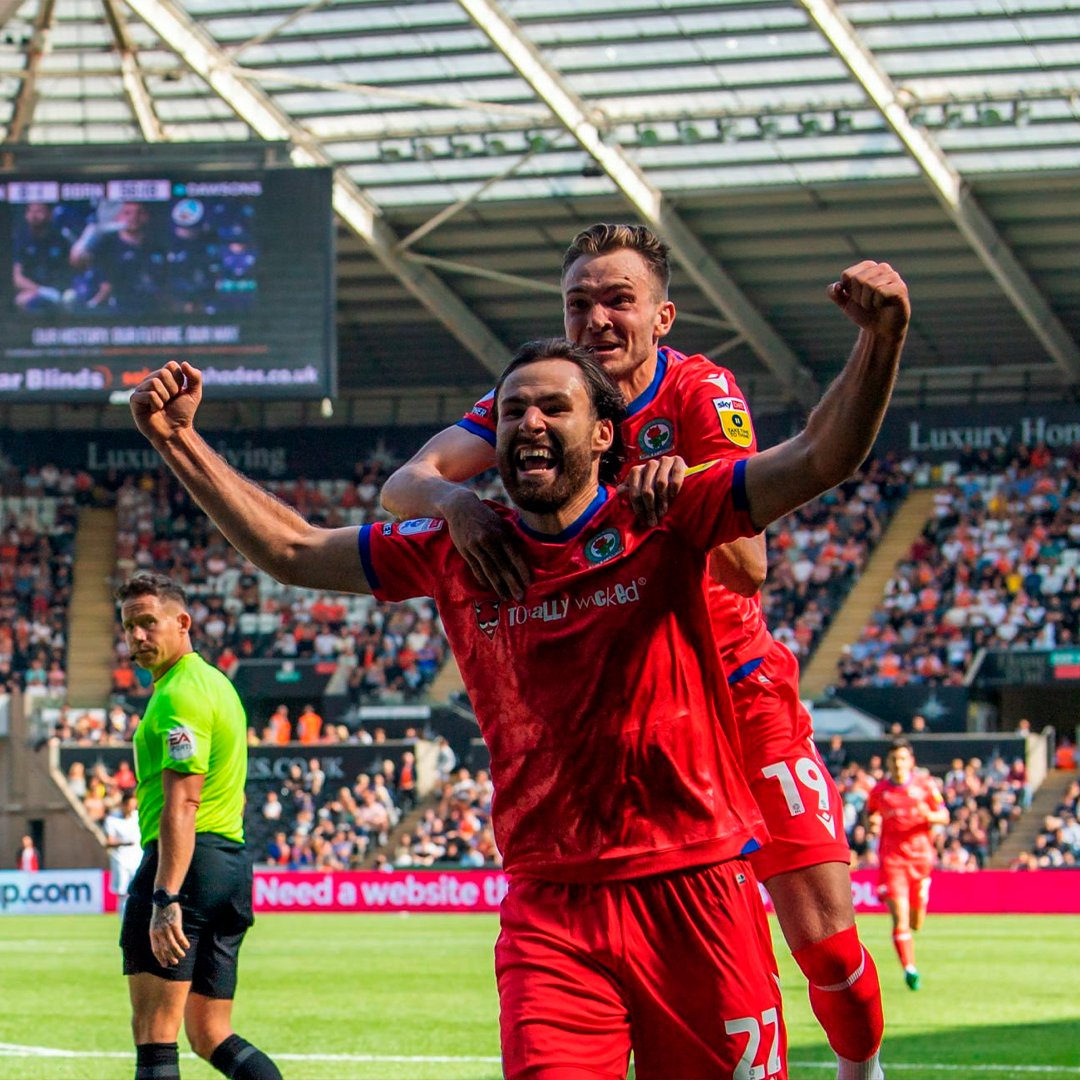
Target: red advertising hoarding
(989, 892)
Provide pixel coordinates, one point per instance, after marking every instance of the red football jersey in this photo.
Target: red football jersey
(696, 410)
(904, 830)
(605, 711)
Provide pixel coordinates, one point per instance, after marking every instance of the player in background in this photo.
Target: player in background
(615, 289)
(903, 808)
(125, 848)
(631, 921)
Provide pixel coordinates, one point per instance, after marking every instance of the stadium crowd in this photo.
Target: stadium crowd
(1058, 844)
(818, 553)
(38, 519)
(997, 567)
(391, 652)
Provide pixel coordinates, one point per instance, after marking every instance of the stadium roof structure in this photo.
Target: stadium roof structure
(771, 142)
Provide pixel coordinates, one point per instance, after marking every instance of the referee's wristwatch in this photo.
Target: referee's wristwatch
(163, 898)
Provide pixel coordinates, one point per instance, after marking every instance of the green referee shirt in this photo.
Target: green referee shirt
(194, 723)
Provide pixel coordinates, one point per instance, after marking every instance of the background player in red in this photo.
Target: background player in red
(904, 807)
(615, 289)
(632, 919)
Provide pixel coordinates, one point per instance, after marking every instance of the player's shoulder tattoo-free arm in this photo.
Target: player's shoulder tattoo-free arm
(431, 479)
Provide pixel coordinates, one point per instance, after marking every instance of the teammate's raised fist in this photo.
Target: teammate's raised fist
(874, 297)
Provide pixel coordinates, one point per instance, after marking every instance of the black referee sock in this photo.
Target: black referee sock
(239, 1060)
(157, 1061)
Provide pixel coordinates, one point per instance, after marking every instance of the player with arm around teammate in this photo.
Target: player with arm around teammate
(903, 808)
(615, 291)
(623, 818)
(189, 903)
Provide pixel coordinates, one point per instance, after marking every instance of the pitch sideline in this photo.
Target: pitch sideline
(20, 1051)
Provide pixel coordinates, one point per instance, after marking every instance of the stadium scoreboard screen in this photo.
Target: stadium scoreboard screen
(107, 276)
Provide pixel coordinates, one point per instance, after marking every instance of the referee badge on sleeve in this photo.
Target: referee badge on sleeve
(181, 743)
(734, 420)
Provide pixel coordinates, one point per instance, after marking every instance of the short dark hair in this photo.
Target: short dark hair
(901, 744)
(601, 238)
(149, 584)
(607, 402)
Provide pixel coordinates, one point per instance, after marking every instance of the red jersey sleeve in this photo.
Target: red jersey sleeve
(403, 559)
(932, 794)
(712, 508)
(873, 801)
(714, 418)
(479, 420)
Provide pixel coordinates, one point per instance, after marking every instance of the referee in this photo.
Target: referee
(190, 900)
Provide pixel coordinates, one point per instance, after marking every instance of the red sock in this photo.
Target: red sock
(905, 947)
(844, 993)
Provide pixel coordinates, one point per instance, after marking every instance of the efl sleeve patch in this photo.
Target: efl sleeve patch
(180, 743)
(734, 419)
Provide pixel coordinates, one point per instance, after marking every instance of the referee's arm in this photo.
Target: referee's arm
(176, 845)
(261, 527)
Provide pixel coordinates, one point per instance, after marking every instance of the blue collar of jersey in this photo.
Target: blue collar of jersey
(574, 527)
(652, 389)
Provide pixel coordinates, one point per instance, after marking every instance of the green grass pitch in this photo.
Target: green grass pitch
(396, 997)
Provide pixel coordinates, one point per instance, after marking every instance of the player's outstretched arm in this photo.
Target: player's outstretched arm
(842, 428)
(431, 484)
(262, 528)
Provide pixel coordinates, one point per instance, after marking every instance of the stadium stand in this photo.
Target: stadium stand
(1058, 844)
(817, 554)
(38, 518)
(997, 566)
(392, 652)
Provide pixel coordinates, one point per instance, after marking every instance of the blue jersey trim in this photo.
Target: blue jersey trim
(650, 392)
(743, 670)
(572, 529)
(738, 487)
(473, 428)
(749, 846)
(364, 543)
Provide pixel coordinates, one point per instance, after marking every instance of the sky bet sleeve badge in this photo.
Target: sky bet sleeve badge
(735, 420)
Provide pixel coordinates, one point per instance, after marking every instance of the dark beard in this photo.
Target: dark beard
(541, 497)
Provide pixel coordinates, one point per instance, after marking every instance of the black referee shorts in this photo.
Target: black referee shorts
(216, 905)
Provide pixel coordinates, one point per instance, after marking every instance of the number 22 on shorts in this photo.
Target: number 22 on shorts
(751, 1027)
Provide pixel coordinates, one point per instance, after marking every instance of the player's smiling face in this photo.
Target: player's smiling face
(548, 439)
(613, 305)
(156, 632)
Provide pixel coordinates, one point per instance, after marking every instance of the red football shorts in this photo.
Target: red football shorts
(678, 967)
(902, 876)
(790, 783)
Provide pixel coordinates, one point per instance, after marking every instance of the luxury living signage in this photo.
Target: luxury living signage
(943, 434)
(1017, 428)
(314, 453)
(931, 433)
